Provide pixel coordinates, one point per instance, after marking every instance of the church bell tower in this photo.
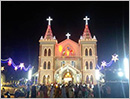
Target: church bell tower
(88, 46)
(46, 56)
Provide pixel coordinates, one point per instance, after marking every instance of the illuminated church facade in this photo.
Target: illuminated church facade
(67, 60)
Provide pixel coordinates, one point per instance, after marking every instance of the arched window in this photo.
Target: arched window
(91, 79)
(49, 65)
(49, 52)
(90, 52)
(87, 79)
(91, 65)
(86, 52)
(86, 65)
(44, 65)
(72, 63)
(45, 52)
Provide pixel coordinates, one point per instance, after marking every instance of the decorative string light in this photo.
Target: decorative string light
(104, 64)
(114, 58)
(16, 67)
(10, 62)
(21, 65)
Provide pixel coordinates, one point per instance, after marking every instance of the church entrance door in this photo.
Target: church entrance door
(67, 77)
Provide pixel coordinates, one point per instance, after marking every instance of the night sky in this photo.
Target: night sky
(23, 23)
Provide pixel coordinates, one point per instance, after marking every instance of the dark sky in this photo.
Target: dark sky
(23, 23)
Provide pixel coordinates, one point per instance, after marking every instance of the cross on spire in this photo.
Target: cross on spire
(86, 19)
(49, 20)
(68, 35)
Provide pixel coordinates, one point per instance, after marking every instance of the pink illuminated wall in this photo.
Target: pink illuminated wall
(67, 48)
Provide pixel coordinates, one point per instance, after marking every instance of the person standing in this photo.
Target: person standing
(70, 92)
(45, 92)
(52, 92)
(76, 91)
(2, 93)
(33, 92)
(41, 91)
(56, 91)
(63, 92)
(90, 94)
(96, 91)
(108, 91)
(86, 92)
(28, 90)
(80, 94)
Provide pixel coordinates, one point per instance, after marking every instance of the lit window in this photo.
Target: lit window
(68, 51)
(72, 63)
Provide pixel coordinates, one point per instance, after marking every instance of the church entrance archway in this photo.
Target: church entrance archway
(66, 74)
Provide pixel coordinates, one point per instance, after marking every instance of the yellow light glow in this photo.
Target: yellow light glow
(60, 48)
(68, 73)
(56, 86)
(68, 53)
(15, 68)
(2, 68)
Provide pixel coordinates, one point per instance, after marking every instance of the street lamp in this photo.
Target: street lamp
(97, 74)
(126, 68)
(120, 74)
(29, 74)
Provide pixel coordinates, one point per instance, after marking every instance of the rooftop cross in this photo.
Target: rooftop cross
(86, 19)
(49, 20)
(68, 35)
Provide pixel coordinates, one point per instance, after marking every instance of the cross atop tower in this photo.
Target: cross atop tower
(68, 35)
(49, 20)
(86, 19)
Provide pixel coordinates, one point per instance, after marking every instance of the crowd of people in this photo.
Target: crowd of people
(69, 90)
(60, 91)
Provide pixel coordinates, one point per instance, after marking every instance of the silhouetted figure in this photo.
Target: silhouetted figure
(33, 92)
(2, 92)
(8, 94)
(28, 90)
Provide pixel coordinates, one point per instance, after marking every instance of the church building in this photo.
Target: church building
(68, 60)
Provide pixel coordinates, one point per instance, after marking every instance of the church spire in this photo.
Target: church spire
(86, 33)
(48, 34)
